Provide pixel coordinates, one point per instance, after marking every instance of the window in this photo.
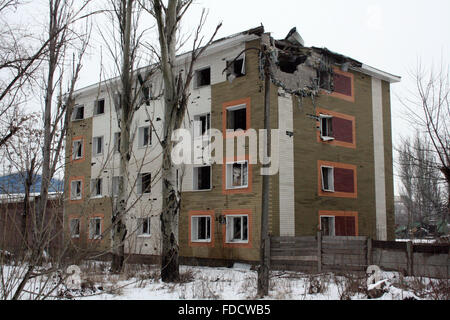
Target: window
(339, 223)
(327, 225)
(202, 123)
(115, 185)
(337, 180)
(144, 137)
(95, 228)
(96, 188)
(144, 226)
(117, 142)
(74, 228)
(201, 229)
(97, 146)
(237, 118)
(327, 179)
(343, 85)
(237, 175)
(336, 129)
(237, 228)
(77, 149)
(78, 113)
(203, 77)
(76, 190)
(202, 178)
(144, 183)
(236, 69)
(326, 127)
(99, 107)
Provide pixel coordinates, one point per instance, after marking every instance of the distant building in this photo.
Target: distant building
(335, 154)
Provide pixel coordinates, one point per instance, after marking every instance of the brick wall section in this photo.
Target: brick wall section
(87, 207)
(307, 151)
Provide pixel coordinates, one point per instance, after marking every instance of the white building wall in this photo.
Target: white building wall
(380, 180)
(286, 161)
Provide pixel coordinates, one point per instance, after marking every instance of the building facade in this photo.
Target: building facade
(332, 154)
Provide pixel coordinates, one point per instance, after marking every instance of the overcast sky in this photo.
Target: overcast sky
(391, 35)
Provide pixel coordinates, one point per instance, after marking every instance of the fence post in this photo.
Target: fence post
(319, 251)
(409, 257)
(369, 251)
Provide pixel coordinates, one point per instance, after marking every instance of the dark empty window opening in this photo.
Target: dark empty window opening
(78, 113)
(236, 68)
(202, 125)
(203, 77)
(99, 107)
(237, 118)
(202, 178)
(145, 183)
(288, 63)
(325, 80)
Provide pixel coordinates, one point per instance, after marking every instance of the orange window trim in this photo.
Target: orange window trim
(352, 195)
(209, 213)
(224, 176)
(235, 103)
(238, 212)
(70, 189)
(80, 138)
(341, 214)
(93, 216)
(320, 111)
(352, 79)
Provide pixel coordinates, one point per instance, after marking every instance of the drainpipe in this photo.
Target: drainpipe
(263, 272)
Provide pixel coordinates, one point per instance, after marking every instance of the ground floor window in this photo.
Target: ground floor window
(201, 229)
(75, 228)
(339, 224)
(237, 228)
(95, 228)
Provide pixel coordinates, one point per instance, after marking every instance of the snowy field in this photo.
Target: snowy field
(202, 283)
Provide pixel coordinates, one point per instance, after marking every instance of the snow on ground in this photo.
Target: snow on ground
(204, 283)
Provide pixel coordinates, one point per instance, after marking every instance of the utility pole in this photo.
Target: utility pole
(263, 271)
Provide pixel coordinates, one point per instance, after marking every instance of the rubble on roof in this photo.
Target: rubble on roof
(300, 70)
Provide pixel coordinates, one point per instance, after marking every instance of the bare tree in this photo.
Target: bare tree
(176, 95)
(62, 37)
(428, 110)
(422, 192)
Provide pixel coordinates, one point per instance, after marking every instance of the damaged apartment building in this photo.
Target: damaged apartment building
(335, 153)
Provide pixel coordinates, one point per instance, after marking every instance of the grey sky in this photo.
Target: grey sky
(391, 35)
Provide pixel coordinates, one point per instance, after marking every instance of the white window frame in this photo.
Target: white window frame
(96, 113)
(94, 235)
(330, 178)
(95, 152)
(139, 183)
(141, 131)
(229, 175)
(75, 144)
(94, 188)
(73, 117)
(142, 233)
(230, 228)
(235, 108)
(195, 179)
(325, 136)
(195, 225)
(332, 226)
(71, 227)
(73, 186)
